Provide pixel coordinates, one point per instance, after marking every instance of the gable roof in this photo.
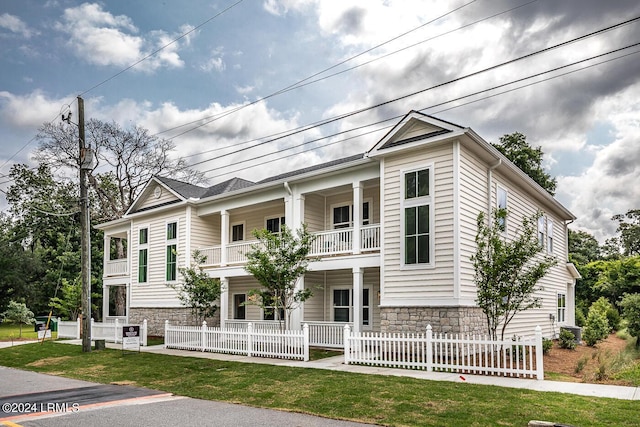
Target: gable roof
(226, 186)
(184, 189)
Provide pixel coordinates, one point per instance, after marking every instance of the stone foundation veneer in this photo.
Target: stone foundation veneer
(157, 316)
(450, 320)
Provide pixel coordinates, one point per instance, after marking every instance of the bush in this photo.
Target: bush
(547, 344)
(580, 319)
(613, 317)
(567, 339)
(631, 310)
(597, 326)
(604, 306)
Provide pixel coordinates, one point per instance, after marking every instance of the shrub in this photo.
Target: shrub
(581, 364)
(597, 326)
(580, 319)
(546, 345)
(631, 309)
(567, 339)
(613, 317)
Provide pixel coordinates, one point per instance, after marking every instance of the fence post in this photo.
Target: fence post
(166, 335)
(249, 339)
(429, 348)
(539, 357)
(144, 332)
(115, 331)
(305, 334)
(347, 352)
(91, 334)
(78, 325)
(204, 334)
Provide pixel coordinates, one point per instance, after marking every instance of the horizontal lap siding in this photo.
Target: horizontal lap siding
(155, 293)
(424, 283)
(151, 200)
(314, 307)
(519, 205)
(473, 200)
(205, 231)
(242, 285)
(314, 212)
(254, 217)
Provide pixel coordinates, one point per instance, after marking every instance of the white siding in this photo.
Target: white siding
(151, 200)
(418, 286)
(314, 212)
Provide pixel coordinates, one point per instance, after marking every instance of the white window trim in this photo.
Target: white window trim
(549, 244)
(244, 231)
(142, 246)
(542, 232)
(418, 201)
(278, 217)
(351, 307)
(233, 305)
(506, 195)
(168, 242)
(558, 308)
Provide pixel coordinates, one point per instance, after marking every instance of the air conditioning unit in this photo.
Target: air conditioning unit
(575, 330)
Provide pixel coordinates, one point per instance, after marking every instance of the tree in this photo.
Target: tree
(277, 262)
(583, 247)
(18, 312)
(629, 229)
(198, 291)
(507, 271)
(69, 304)
(131, 157)
(515, 147)
(631, 311)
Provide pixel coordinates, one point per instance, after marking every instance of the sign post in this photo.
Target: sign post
(131, 337)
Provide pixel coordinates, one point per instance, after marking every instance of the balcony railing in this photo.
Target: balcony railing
(116, 267)
(327, 243)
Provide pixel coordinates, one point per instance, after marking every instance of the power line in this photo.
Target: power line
(439, 104)
(333, 119)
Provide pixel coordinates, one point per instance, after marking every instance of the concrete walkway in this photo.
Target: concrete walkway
(336, 364)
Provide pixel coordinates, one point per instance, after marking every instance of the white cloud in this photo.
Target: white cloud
(16, 25)
(103, 39)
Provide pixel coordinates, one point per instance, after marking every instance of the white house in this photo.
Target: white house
(395, 231)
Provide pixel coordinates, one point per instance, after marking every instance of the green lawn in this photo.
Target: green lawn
(376, 399)
(10, 331)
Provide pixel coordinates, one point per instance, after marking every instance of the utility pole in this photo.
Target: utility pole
(85, 226)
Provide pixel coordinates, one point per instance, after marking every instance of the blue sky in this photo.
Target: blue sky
(586, 122)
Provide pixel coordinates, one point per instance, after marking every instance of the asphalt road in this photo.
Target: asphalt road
(30, 399)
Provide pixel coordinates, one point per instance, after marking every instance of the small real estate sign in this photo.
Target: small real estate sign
(131, 337)
(42, 331)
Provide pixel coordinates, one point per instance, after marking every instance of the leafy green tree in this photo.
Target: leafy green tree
(617, 277)
(583, 247)
(277, 262)
(597, 327)
(69, 303)
(507, 271)
(631, 310)
(516, 148)
(198, 291)
(629, 230)
(17, 312)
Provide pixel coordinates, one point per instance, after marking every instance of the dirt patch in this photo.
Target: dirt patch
(123, 383)
(49, 361)
(585, 364)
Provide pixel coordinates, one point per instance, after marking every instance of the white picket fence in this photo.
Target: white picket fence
(519, 357)
(108, 331)
(287, 344)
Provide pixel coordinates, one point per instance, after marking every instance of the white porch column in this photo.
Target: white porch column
(107, 249)
(298, 211)
(358, 274)
(357, 216)
(570, 310)
(105, 289)
(295, 319)
(224, 301)
(224, 236)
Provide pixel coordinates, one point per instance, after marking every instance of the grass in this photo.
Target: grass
(11, 331)
(384, 400)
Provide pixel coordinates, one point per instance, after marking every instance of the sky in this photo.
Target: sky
(229, 81)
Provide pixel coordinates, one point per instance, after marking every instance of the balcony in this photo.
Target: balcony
(328, 243)
(116, 267)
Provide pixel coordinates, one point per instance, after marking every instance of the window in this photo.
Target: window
(341, 305)
(237, 232)
(562, 307)
(365, 307)
(549, 235)
(502, 205)
(143, 255)
(274, 224)
(541, 226)
(171, 252)
(343, 215)
(417, 217)
(239, 309)
(269, 312)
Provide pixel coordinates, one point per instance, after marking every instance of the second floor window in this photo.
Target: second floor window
(171, 251)
(501, 194)
(237, 232)
(274, 224)
(417, 207)
(343, 215)
(143, 255)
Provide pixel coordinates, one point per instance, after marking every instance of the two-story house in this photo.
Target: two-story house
(395, 230)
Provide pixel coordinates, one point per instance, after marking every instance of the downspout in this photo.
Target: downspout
(489, 181)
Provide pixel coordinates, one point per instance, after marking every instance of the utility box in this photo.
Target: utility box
(53, 323)
(575, 330)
